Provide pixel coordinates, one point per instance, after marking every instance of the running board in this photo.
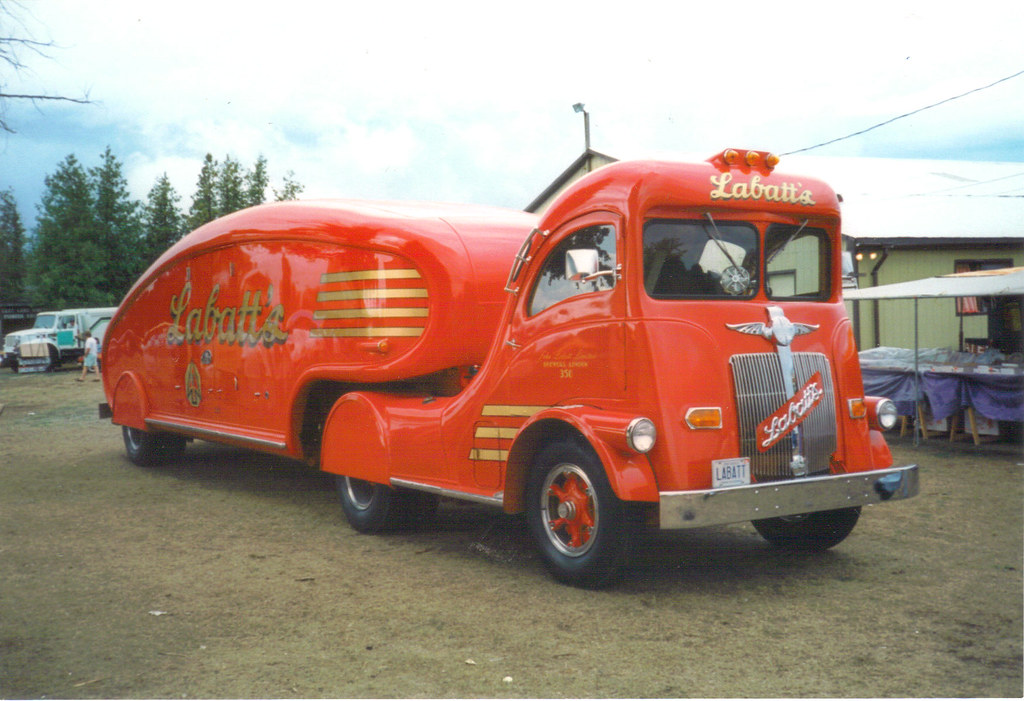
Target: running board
(497, 499)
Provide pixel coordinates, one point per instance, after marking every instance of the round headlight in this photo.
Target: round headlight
(886, 414)
(641, 435)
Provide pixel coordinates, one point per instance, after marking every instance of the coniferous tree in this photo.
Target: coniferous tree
(118, 228)
(290, 189)
(163, 221)
(204, 201)
(256, 182)
(67, 259)
(231, 195)
(12, 249)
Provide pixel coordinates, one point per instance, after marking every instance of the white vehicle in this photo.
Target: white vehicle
(55, 338)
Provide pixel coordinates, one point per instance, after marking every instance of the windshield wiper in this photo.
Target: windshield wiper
(717, 238)
(788, 241)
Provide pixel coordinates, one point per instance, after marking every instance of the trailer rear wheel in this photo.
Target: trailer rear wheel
(369, 507)
(812, 532)
(584, 532)
(147, 449)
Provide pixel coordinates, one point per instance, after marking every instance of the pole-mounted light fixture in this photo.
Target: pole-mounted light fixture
(577, 108)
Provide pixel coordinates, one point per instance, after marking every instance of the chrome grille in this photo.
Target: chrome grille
(760, 390)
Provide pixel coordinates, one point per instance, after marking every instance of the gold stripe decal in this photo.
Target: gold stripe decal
(405, 312)
(353, 275)
(481, 454)
(511, 410)
(494, 432)
(363, 303)
(367, 332)
(391, 293)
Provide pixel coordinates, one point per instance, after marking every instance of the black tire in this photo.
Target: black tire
(369, 507)
(583, 531)
(812, 532)
(147, 449)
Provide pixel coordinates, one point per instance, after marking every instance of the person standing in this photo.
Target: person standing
(91, 356)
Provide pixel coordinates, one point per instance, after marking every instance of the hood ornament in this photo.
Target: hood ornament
(782, 331)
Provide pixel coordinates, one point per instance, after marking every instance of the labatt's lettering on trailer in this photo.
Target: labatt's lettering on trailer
(228, 324)
(792, 414)
(726, 189)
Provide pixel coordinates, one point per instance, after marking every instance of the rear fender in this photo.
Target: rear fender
(129, 402)
(355, 441)
(629, 473)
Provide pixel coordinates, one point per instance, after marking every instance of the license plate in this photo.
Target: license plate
(731, 472)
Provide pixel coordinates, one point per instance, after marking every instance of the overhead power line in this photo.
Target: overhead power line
(908, 114)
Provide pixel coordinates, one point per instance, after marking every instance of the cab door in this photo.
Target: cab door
(568, 330)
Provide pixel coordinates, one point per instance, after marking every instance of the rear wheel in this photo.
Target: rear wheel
(812, 532)
(371, 507)
(147, 449)
(584, 532)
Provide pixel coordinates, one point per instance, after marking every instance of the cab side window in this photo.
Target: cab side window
(556, 283)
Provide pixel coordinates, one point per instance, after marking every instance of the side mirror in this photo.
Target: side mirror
(581, 263)
(849, 276)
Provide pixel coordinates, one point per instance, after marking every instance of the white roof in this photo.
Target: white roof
(894, 198)
(982, 283)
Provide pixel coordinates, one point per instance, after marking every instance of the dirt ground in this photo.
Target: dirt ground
(230, 574)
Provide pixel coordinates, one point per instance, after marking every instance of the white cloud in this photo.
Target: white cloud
(469, 101)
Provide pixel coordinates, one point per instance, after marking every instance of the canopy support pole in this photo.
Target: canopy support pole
(917, 381)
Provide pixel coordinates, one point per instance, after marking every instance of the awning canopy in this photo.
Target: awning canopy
(982, 283)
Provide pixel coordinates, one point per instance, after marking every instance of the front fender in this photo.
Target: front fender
(629, 473)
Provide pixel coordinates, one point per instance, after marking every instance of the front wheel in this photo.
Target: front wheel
(584, 532)
(812, 532)
(148, 449)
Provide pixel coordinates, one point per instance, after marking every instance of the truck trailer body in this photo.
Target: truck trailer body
(666, 346)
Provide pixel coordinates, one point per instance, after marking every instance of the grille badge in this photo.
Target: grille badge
(782, 331)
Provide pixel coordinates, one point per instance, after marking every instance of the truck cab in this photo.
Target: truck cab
(56, 337)
(675, 352)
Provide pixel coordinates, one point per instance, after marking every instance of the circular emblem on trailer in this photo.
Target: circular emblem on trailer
(193, 385)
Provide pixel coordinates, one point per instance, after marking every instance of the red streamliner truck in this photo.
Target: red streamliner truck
(666, 347)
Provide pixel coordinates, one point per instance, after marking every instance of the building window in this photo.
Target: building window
(970, 306)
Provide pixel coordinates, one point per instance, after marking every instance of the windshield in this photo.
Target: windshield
(797, 263)
(45, 321)
(686, 258)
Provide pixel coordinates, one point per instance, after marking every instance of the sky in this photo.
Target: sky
(472, 101)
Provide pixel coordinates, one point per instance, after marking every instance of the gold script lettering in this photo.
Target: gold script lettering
(754, 189)
(241, 325)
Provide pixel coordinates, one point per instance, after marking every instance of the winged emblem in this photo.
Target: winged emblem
(781, 329)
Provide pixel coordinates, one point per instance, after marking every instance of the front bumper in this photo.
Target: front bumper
(752, 502)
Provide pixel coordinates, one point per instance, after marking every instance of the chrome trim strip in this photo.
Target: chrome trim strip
(215, 435)
(496, 500)
(712, 507)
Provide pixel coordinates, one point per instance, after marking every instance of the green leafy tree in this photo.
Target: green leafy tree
(204, 201)
(12, 249)
(118, 226)
(290, 189)
(231, 190)
(163, 221)
(68, 258)
(256, 183)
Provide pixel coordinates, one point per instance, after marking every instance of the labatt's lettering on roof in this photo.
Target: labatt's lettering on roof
(790, 193)
(226, 325)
